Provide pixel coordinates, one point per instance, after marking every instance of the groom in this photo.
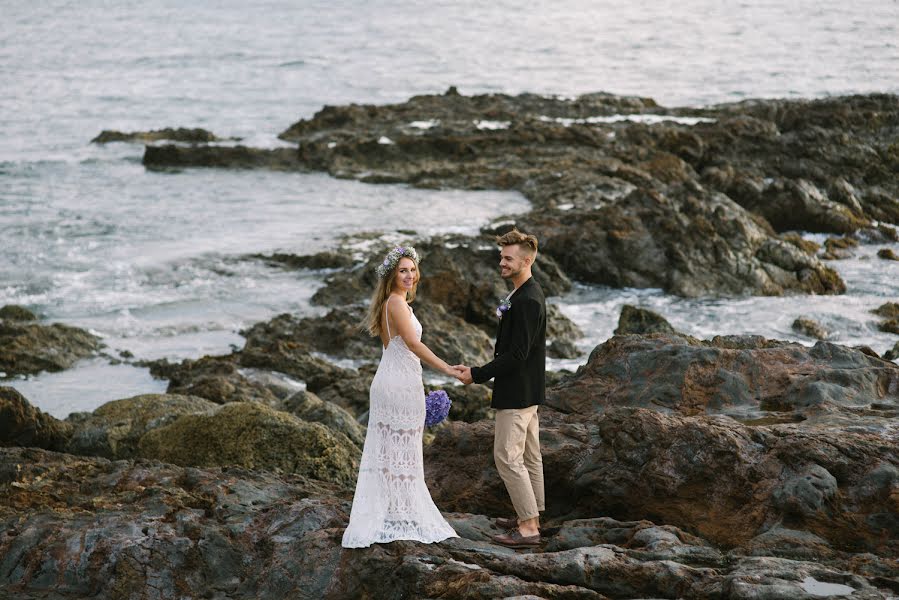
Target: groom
(518, 370)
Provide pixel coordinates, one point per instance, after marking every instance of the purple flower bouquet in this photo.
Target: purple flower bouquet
(437, 405)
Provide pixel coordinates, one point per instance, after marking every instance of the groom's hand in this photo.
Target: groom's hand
(463, 374)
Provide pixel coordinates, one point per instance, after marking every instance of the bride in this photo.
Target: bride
(392, 501)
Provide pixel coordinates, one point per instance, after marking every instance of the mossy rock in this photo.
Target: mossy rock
(888, 310)
(27, 348)
(114, 429)
(255, 437)
(13, 312)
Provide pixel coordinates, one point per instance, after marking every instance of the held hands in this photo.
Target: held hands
(463, 373)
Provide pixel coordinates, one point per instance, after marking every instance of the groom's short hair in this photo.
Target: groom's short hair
(525, 241)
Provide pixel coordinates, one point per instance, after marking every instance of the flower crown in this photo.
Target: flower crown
(393, 257)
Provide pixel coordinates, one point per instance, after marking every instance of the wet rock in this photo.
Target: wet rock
(309, 407)
(887, 254)
(21, 424)
(13, 312)
(256, 437)
(181, 134)
(810, 328)
(641, 321)
(114, 430)
(223, 157)
(742, 376)
(27, 348)
(890, 326)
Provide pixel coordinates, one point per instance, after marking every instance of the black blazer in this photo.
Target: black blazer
(519, 365)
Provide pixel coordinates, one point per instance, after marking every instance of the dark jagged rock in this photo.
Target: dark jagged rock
(451, 338)
(712, 476)
(461, 276)
(181, 134)
(809, 328)
(890, 326)
(641, 321)
(13, 312)
(230, 157)
(24, 425)
(277, 345)
(747, 377)
(798, 164)
(27, 348)
(321, 260)
(687, 241)
(246, 534)
(256, 437)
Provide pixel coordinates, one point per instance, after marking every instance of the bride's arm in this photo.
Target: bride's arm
(402, 321)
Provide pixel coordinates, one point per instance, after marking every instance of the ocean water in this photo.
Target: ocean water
(151, 260)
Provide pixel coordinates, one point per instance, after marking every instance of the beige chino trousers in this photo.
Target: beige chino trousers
(516, 450)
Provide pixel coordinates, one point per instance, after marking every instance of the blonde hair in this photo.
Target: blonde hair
(526, 242)
(384, 287)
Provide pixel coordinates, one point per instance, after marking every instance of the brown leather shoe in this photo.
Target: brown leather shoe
(504, 523)
(514, 539)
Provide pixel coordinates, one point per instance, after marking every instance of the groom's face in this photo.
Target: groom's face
(511, 261)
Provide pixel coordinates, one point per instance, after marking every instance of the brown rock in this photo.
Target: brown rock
(887, 254)
(810, 328)
(641, 321)
(21, 424)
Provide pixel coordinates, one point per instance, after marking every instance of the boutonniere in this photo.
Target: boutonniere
(504, 305)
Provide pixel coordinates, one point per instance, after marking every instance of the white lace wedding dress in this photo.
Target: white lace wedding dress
(392, 501)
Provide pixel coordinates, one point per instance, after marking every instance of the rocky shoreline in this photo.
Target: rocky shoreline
(733, 467)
